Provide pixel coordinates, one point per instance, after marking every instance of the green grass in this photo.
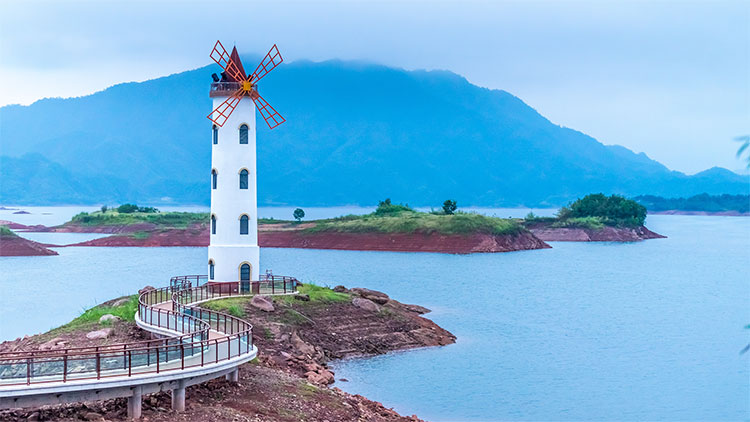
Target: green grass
(140, 235)
(318, 294)
(91, 316)
(594, 223)
(234, 306)
(5, 231)
(164, 219)
(419, 222)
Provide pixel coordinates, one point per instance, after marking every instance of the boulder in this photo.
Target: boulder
(109, 318)
(103, 333)
(323, 377)
(301, 346)
(373, 295)
(146, 289)
(55, 343)
(365, 304)
(304, 298)
(124, 300)
(93, 416)
(263, 303)
(340, 289)
(416, 308)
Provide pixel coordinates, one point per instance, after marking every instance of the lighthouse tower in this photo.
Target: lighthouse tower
(233, 252)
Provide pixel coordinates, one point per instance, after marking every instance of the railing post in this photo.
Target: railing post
(182, 354)
(28, 370)
(98, 364)
(157, 359)
(65, 366)
(130, 363)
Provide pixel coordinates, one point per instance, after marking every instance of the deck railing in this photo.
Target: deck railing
(192, 345)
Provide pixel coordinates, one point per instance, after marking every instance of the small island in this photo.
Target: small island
(391, 227)
(594, 218)
(703, 204)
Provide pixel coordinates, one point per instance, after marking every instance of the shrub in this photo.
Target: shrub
(449, 206)
(388, 208)
(613, 210)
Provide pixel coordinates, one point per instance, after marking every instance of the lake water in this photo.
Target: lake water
(584, 331)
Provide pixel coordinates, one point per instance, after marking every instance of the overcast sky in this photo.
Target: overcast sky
(668, 78)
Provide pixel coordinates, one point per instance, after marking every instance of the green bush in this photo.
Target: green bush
(388, 208)
(613, 210)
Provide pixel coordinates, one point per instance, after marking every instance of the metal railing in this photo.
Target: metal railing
(192, 346)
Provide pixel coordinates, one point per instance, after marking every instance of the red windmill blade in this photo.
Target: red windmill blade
(273, 58)
(222, 58)
(234, 71)
(269, 113)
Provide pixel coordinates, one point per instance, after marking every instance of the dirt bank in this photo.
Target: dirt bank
(399, 242)
(13, 245)
(288, 382)
(605, 234)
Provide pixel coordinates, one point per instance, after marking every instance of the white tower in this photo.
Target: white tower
(234, 204)
(233, 252)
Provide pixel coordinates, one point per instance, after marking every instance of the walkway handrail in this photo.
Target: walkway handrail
(191, 348)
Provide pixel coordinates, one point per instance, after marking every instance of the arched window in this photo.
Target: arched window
(245, 272)
(210, 269)
(214, 177)
(215, 134)
(213, 224)
(243, 179)
(244, 223)
(243, 134)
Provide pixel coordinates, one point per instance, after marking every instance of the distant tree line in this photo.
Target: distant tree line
(702, 202)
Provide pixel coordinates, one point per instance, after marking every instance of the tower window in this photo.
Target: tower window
(213, 224)
(244, 223)
(215, 134)
(211, 269)
(243, 179)
(214, 177)
(243, 134)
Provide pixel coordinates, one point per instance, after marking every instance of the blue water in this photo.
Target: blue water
(584, 331)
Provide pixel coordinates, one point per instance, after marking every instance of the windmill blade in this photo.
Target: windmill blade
(273, 58)
(222, 58)
(270, 115)
(221, 113)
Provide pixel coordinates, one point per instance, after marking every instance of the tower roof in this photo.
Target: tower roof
(235, 57)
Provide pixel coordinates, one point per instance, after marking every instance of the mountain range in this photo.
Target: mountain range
(355, 133)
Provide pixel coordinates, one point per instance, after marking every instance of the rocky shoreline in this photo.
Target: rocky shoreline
(297, 337)
(579, 234)
(14, 245)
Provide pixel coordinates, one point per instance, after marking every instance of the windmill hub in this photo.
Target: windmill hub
(247, 86)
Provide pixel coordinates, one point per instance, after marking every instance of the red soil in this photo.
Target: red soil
(18, 246)
(399, 242)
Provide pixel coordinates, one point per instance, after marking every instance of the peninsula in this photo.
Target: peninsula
(594, 218)
(297, 336)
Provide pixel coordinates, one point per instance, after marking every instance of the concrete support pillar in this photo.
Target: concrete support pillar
(134, 404)
(178, 398)
(233, 376)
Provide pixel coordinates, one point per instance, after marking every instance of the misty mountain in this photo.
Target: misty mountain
(355, 133)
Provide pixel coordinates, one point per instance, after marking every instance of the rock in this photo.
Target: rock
(103, 333)
(124, 300)
(365, 304)
(109, 318)
(92, 416)
(33, 417)
(146, 289)
(323, 378)
(340, 289)
(52, 344)
(301, 346)
(416, 308)
(304, 298)
(343, 380)
(263, 303)
(373, 295)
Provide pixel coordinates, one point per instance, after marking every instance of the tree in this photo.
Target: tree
(104, 209)
(299, 214)
(449, 206)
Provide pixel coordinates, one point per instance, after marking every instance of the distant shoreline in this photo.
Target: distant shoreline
(702, 213)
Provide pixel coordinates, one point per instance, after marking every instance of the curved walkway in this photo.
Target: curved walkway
(195, 345)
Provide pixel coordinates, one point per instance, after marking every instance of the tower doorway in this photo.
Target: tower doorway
(245, 273)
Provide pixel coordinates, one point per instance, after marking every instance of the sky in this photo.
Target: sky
(668, 78)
